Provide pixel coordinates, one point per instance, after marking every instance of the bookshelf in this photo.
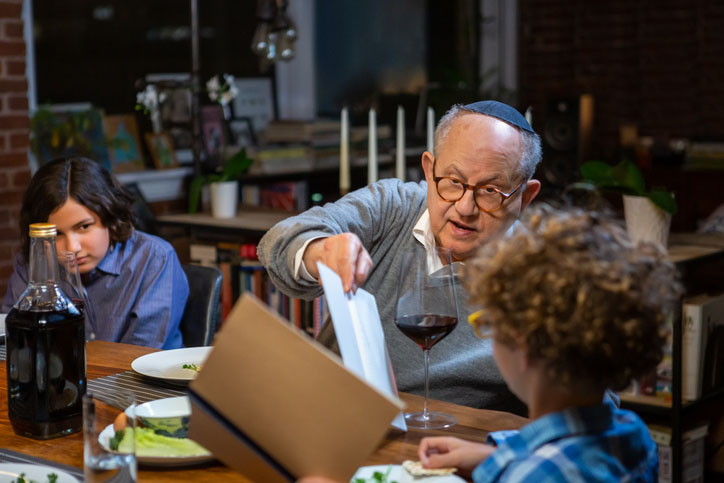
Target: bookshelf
(248, 219)
(700, 259)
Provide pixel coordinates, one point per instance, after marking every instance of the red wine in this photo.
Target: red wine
(46, 372)
(426, 329)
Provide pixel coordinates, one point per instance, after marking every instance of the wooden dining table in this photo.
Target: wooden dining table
(108, 358)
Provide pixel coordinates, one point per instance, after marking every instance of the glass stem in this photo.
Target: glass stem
(425, 414)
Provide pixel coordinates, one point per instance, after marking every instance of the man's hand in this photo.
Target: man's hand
(342, 253)
(447, 451)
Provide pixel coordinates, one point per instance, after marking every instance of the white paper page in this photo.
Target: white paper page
(359, 334)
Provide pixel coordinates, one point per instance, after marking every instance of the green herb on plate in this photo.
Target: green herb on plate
(377, 477)
(116, 439)
(52, 478)
(192, 366)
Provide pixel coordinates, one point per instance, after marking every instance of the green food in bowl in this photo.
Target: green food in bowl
(166, 417)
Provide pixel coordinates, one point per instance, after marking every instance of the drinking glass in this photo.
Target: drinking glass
(72, 285)
(102, 463)
(427, 311)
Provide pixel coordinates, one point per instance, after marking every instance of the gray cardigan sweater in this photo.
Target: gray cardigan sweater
(382, 215)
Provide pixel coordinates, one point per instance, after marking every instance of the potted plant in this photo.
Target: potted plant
(224, 186)
(647, 212)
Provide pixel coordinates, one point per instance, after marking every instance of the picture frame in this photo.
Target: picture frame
(254, 100)
(242, 132)
(62, 130)
(161, 149)
(213, 130)
(125, 151)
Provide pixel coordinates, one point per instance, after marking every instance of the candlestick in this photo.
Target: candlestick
(344, 181)
(400, 159)
(430, 129)
(372, 148)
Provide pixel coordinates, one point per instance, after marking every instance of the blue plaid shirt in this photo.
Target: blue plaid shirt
(600, 443)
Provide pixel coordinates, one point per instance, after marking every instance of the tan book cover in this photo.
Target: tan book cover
(274, 405)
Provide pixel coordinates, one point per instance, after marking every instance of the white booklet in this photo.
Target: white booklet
(359, 334)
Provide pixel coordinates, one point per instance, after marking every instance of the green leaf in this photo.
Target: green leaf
(236, 165)
(628, 175)
(598, 173)
(664, 200)
(195, 193)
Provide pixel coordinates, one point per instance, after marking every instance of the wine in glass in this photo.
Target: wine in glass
(426, 312)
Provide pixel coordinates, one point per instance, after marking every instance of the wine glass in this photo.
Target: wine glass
(427, 311)
(72, 285)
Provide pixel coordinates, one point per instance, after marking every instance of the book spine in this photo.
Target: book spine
(691, 351)
(226, 293)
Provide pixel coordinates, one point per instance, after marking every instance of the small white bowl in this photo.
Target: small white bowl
(168, 417)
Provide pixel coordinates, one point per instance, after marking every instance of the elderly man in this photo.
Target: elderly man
(476, 184)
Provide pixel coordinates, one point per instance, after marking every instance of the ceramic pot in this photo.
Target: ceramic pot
(224, 199)
(645, 221)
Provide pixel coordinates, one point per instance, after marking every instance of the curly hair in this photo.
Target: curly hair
(88, 183)
(587, 303)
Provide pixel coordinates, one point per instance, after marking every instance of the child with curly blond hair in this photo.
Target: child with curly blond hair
(573, 308)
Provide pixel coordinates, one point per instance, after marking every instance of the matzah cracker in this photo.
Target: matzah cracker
(415, 468)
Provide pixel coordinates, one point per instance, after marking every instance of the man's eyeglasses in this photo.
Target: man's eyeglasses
(487, 198)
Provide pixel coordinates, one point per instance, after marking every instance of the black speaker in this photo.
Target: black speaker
(565, 136)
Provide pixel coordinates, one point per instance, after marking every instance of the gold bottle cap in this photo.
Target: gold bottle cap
(39, 230)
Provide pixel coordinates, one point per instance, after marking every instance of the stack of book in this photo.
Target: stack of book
(702, 347)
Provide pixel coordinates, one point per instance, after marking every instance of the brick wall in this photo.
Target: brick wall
(14, 132)
(655, 64)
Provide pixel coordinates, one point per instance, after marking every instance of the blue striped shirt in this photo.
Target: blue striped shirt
(136, 294)
(599, 443)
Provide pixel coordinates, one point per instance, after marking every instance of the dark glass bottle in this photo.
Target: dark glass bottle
(45, 339)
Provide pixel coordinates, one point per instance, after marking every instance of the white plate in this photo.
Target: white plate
(400, 475)
(106, 435)
(2, 324)
(10, 472)
(168, 365)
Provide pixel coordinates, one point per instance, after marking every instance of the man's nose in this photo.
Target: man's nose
(466, 205)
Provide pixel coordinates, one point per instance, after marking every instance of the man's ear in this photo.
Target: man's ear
(532, 188)
(427, 161)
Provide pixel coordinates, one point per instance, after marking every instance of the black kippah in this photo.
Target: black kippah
(501, 111)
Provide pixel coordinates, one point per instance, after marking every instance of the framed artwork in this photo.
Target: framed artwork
(62, 130)
(254, 100)
(161, 148)
(212, 129)
(124, 144)
(176, 108)
(242, 133)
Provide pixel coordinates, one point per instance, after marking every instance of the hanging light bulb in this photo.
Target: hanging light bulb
(260, 40)
(285, 48)
(271, 51)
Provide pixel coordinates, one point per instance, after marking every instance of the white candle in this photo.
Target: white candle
(529, 115)
(400, 159)
(344, 181)
(430, 129)
(372, 148)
